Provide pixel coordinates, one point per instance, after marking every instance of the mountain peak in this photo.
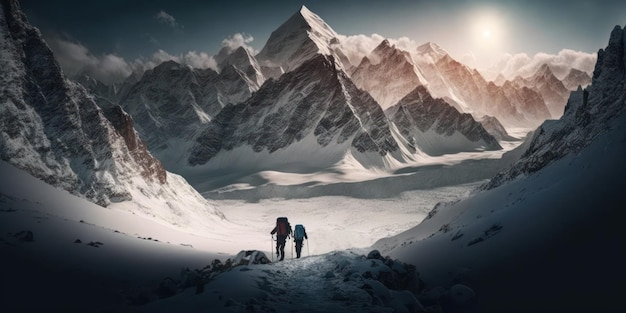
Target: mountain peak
(544, 69)
(383, 48)
(302, 36)
(304, 11)
(168, 66)
(432, 49)
(611, 64)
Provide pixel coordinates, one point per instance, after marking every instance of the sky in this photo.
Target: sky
(476, 32)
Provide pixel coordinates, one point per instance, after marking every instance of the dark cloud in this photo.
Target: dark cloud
(75, 59)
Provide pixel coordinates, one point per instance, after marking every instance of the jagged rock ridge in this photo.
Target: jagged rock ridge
(172, 103)
(587, 114)
(419, 113)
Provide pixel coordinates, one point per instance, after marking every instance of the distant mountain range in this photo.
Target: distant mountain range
(298, 105)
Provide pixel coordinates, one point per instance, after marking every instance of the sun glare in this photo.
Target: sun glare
(487, 27)
(486, 34)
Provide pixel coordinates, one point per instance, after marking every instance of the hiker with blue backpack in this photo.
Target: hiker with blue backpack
(282, 231)
(299, 234)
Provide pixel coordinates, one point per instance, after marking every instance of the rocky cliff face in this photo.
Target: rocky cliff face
(53, 129)
(428, 123)
(588, 113)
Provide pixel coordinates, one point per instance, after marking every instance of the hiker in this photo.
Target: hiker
(299, 234)
(282, 231)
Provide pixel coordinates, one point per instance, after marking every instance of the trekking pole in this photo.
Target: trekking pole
(291, 244)
(308, 253)
(272, 246)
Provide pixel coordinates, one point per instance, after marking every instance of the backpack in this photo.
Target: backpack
(298, 233)
(282, 226)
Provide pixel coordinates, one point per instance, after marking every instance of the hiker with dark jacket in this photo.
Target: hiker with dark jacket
(299, 234)
(282, 231)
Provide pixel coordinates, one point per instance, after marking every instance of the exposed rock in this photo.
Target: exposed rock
(419, 113)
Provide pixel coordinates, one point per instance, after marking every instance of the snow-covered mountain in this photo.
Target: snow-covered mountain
(467, 90)
(302, 37)
(242, 60)
(552, 89)
(540, 234)
(310, 117)
(315, 118)
(172, 102)
(388, 74)
(53, 129)
(432, 126)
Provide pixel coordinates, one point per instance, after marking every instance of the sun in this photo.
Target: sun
(487, 28)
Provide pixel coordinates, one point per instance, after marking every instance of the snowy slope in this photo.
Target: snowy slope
(545, 231)
(136, 252)
(140, 258)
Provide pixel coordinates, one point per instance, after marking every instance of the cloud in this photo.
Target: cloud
(469, 59)
(165, 18)
(199, 60)
(522, 65)
(232, 43)
(237, 40)
(75, 59)
(358, 46)
(191, 58)
(510, 65)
